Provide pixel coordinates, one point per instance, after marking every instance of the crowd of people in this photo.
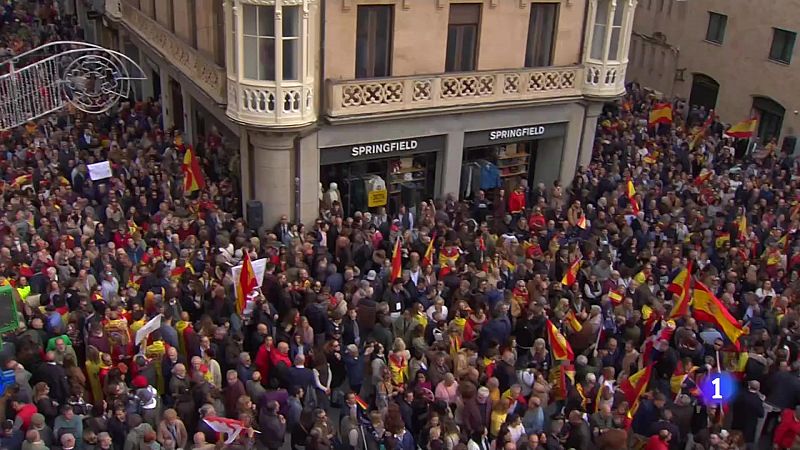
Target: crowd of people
(482, 334)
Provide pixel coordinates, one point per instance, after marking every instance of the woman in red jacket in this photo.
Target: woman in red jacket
(788, 429)
(516, 201)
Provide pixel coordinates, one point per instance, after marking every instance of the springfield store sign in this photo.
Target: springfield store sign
(381, 149)
(514, 133)
(384, 147)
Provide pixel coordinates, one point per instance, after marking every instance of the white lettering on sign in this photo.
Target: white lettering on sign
(516, 133)
(383, 147)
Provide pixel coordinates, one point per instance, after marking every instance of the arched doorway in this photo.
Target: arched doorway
(704, 91)
(770, 118)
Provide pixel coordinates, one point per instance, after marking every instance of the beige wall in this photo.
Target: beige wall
(182, 25)
(420, 35)
(163, 12)
(740, 64)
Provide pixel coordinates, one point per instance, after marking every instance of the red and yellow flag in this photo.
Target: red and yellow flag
(680, 288)
(397, 261)
(631, 193)
(428, 258)
(572, 321)
(661, 113)
(704, 176)
(558, 343)
(571, 275)
(742, 229)
(247, 283)
(361, 403)
(722, 238)
(743, 130)
(708, 308)
(634, 387)
(582, 222)
(615, 297)
(192, 175)
(22, 180)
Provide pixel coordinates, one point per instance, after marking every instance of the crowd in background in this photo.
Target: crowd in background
(458, 347)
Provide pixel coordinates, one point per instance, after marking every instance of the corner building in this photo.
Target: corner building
(393, 101)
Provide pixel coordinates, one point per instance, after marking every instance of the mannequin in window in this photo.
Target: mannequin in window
(332, 195)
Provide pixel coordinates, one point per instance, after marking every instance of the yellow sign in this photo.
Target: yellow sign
(377, 198)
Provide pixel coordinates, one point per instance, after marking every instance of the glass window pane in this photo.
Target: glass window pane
(290, 59)
(251, 63)
(452, 38)
(250, 19)
(618, 13)
(613, 48)
(266, 21)
(266, 57)
(541, 34)
(469, 43)
(602, 11)
(598, 41)
(291, 21)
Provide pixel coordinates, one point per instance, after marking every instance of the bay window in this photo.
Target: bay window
(262, 34)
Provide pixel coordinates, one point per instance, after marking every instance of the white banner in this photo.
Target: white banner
(259, 267)
(152, 325)
(99, 171)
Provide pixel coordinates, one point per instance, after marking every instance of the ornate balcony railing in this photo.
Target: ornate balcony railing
(450, 90)
(604, 80)
(207, 75)
(267, 104)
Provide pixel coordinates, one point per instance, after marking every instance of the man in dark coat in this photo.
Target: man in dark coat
(300, 375)
(746, 409)
(54, 376)
(272, 426)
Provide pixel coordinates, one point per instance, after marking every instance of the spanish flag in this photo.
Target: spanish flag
(743, 130)
(192, 175)
(650, 159)
(679, 377)
(704, 176)
(631, 192)
(708, 308)
(572, 322)
(558, 343)
(428, 258)
(571, 275)
(397, 261)
(742, 229)
(22, 180)
(680, 288)
(661, 113)
(615, 297)
(247, 283)
(361, 403)
(634, 387)
(582, 222)
(722, 238)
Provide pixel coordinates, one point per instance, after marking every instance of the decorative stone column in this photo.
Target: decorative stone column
(273, 173)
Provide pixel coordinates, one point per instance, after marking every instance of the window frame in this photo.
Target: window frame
(721, 22)
(531, 47)
(373, 22)
(458, 25)
(788, 53)
(276, 71)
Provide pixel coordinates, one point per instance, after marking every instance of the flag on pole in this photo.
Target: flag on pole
(247, 283)
(192, 175)
(680, 288)
(631, 192)
(661, 113)
(708, 308)
(361, 403)
(582, 222)
(704, 176)
(428, 258)
(572, 321)
(743, 130)
(232, 428)
(722, 238)
(742, 228)
(634, 387)
(571, 275)
(397, 261)
(615, 297)
(558, 343)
